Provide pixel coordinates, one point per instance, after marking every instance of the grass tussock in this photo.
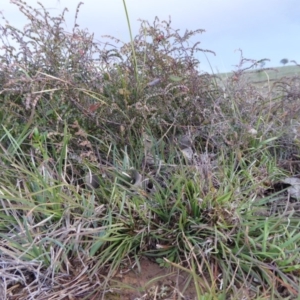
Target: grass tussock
(117, 152)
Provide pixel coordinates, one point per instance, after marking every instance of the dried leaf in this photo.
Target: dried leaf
(294, 189)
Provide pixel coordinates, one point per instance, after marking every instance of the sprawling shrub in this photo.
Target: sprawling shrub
(66, 76)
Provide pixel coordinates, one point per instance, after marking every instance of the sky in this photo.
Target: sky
(260, 28)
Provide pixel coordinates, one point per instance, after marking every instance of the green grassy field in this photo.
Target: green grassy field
(276, 74)
(265, 75)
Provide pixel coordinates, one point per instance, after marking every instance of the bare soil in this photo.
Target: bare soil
(150, 281)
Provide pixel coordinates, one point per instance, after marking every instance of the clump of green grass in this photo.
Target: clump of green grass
(67, 118)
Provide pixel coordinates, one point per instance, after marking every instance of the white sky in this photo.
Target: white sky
(261, 28)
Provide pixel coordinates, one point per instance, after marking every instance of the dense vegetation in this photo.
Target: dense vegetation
(117, 152)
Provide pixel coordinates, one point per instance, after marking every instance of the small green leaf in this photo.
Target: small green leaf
(106, 76)
(175, 78)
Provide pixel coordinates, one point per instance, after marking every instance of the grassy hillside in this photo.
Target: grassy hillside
(269, 74)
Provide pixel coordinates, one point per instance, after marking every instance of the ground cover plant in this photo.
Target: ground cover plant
(123, 157)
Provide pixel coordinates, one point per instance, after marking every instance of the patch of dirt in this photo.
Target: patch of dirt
(150, 281)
